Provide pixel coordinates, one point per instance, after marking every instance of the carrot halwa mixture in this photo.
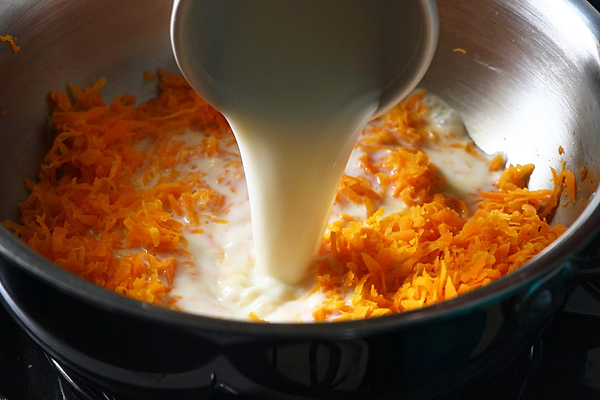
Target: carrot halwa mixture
(125, 187)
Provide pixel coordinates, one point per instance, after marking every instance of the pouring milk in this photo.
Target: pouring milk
(297, 80)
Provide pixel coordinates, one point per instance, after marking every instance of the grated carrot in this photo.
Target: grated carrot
(110, 206)
(11, 41)
(497, 163)
(583, 172)
(255, 318)
(570, 184)
(87, 214)
(431, 251)
(149, 76)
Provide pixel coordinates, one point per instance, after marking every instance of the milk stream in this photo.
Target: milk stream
(222, 283)
(297, 80)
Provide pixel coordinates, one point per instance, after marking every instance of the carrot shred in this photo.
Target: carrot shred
(109, 206)
(255, 318)
(432, 250)
(149, 76)
(11, 41)
(497, 163)
(570, 183)
(85, 210)
(583, 172)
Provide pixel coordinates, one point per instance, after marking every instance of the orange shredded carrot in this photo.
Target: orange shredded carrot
(87, 214)
(11, 41)
(149, 76)
(431, 251)
(255, 318)
(583, 172)
(570, 183)
(497, 163)
(109, 205)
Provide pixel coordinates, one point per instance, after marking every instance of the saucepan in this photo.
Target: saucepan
(525, 75)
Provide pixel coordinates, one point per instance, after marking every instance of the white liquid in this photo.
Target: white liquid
(222, 284)
(297, 80)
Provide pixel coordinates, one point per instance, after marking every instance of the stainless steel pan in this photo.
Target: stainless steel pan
(525, 74)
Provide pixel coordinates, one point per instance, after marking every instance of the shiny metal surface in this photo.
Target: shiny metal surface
(527, 83)
(64, 42)
(524, 74)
